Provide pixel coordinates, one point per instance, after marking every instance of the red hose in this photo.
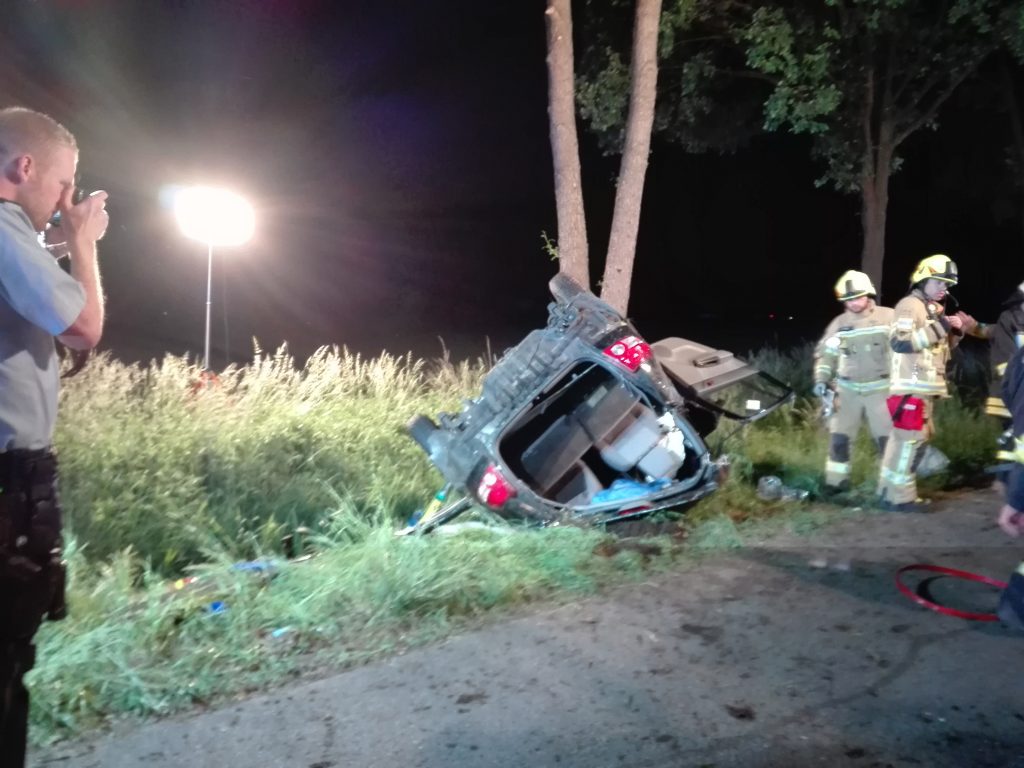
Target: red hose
(965, 575)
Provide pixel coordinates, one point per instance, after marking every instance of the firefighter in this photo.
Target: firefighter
(852, 360)
(1011, 515)
(1007, 338)
(922, 338)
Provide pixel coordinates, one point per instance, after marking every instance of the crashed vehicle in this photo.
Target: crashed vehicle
(585, 422)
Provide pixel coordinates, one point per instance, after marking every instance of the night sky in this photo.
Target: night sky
(397, 156)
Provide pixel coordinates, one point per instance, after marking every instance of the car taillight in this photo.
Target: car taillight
(494, 490)
(630, 351)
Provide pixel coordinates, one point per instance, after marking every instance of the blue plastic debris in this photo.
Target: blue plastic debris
(625, 489)
(257, 566)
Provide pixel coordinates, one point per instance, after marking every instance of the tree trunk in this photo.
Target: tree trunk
(572, 226)
(873, 224)
(874, 205)
(618, 271)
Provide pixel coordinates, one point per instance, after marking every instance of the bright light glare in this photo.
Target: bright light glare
(214, 216)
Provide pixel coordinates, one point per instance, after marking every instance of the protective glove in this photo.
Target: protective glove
(819, 389)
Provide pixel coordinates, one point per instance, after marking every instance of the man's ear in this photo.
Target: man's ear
(18, 169)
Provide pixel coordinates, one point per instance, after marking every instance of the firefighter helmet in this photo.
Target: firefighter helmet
(853, 285)
(939, 266)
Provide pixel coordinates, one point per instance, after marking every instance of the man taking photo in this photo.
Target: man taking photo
(38, 302)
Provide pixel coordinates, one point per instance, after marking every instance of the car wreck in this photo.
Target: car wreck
(586, 422)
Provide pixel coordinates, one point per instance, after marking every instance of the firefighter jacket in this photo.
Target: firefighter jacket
(854, 351)
(921, 343)
(1007, 338)
(1013, 396)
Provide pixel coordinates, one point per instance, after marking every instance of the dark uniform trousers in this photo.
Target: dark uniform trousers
(31, 582)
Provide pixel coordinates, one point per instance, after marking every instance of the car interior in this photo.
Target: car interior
(590, 429)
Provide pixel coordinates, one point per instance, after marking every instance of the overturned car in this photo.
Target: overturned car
(585, 422)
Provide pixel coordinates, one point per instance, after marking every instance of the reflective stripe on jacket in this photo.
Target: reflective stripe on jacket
(854, 350)
(921, 347)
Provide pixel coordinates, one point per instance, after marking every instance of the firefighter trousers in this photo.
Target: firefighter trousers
(851, 408)
(1011, 600)
(897, 480)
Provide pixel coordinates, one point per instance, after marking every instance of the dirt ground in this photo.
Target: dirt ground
(796, 650)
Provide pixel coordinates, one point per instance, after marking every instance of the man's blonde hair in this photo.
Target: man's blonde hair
(27, 132)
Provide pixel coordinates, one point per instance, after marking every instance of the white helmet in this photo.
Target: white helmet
(854, 284)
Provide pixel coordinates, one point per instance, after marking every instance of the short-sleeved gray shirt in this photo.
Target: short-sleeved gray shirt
(38, 300)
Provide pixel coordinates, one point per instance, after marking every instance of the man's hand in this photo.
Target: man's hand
(967, 323)
(955, 321)
(86, 222)
(1011, 521)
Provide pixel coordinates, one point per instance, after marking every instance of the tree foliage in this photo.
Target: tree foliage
(859, 73)
(708, 98)
(857, 76)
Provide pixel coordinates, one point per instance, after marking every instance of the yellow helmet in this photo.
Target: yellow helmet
(939, 266)
(854, 284)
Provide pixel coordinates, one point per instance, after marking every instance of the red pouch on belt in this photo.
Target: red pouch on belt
(907, 412)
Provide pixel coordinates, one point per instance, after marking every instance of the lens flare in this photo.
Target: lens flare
(214, 216)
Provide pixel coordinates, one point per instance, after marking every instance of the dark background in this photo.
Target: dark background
(397, 156)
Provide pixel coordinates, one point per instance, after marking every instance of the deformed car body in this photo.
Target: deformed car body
(585, 422)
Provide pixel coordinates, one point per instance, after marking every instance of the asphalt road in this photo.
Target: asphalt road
(764, 656)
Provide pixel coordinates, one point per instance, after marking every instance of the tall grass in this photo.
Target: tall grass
(154, 461)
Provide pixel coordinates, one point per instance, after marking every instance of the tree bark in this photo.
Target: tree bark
(565, 153)
(875, 204)
(618, 271)
(873, 225)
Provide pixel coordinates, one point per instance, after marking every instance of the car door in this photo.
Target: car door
(718, 379)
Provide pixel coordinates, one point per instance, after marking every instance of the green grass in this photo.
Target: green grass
(138, 645)
(161, 479)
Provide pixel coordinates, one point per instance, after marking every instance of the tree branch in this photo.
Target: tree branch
(749, 74)
(928, 114)
(867, 110)
(889, 66)
(925, 49)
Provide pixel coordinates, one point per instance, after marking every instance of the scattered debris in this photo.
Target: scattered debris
(770, 488)
(741, 712)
